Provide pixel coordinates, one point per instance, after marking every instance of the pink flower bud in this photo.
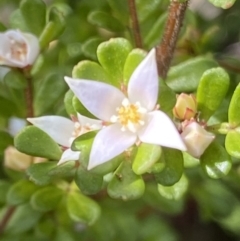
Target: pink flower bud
(186, 107)
(197, 139)
(18, 49)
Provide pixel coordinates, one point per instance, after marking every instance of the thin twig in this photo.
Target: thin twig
(166, 48)
(6, 218)
(29, 93)
(135, 24)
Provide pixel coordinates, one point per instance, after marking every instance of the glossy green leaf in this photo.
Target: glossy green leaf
(46, 198)
(112, 55)
(66, 169)
(232, 143)
(134, 58)
(89, 183)
(190, 161)
(38, 173)
(175, 191)
(4, 188)
(20, 192)
(173, 169)
(147, 155)
(23, 219)
(17, 21)
(166, 98)
(89, 47)
(105, 20)
(49, 92)
(33, 141)
(154, 35)
(5, 141)
(234, 107)
(54, 27)
(82, 209)
(225, 4)
(91, 71)
(126, 184)
(68, 103)
(185, 76)
(34, 14)
(15, 79)
(212, 88)
(215, 161)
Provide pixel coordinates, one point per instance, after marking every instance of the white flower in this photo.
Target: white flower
(64, 131)
(132, 117)
(197, 139)
(18, 49)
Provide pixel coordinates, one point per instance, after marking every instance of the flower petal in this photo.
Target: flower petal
(88, 122)
(59, 128)
(33, 47)
(100, 99)
(69, 155)
(108, 143)
(160, 130)
(143, 84)
(15, 124)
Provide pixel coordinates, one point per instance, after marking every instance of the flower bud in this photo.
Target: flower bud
(18, 49)
(197, 139)
(18, 161)
(186, 107)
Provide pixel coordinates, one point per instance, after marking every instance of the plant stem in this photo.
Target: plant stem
(135, 24)
(6, 218)
(29, 93)
(165, 49)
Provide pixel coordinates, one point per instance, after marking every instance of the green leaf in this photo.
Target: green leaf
(66, 169)
(15, 79)
(80, 108)
(105, 20)
(68, 103)
(89, 48)
(147, 155)
(126, 184)
(4, 187)
(215, 161)
(34, 14)
(232, 143)
(8, 108)
(53, 29)
(212, 88)
(225, 4)
(20, 192)
(39, 172)
(17, 21)
(166, 98)
(46, 199)
(234, 107)
(82, 209)
(5, 141)
(23, 219)
(175, 191)
(51, 89)
(185, 76)
(89, 183)
(91, 71)
(154, 35)
(134, 58)
(35, 142)
(112, 55)
(173, 169)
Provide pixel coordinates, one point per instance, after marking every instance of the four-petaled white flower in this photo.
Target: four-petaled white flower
(64, 131)
(197, 139)
(132, 117)
(18, 49)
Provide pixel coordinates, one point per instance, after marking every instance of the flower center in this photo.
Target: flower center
(18, 50)
(130, 116)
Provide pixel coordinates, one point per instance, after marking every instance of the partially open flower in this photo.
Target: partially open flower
(197, 139)
(64, 131)
(18, 49)
(186, 107)
(18, 161)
